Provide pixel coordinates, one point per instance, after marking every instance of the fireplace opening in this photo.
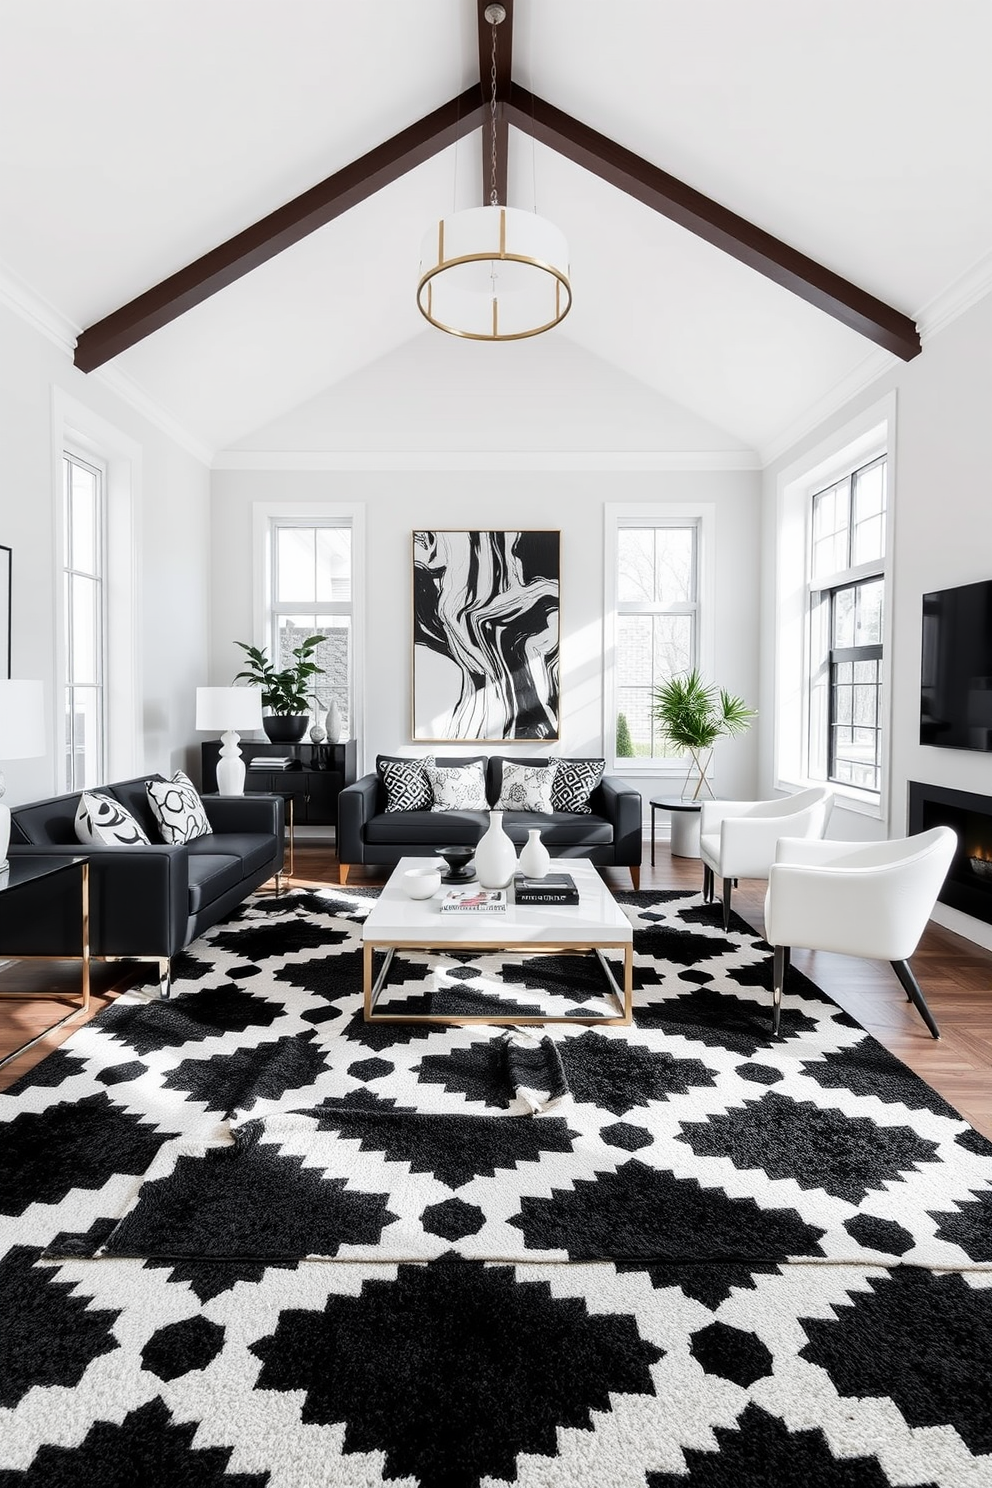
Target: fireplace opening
(968, 885)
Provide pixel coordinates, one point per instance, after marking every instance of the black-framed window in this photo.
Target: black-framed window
(854, 747)
(847, 613)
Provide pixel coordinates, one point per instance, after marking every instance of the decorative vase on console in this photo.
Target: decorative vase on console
(495, 856)
(535, 860)
(333, 722)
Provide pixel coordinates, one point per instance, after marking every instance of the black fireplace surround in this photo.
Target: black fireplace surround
(968, 885)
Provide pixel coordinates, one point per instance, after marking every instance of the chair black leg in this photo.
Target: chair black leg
(707, 884)
(780, 965)
(911, 986)
(728, 889)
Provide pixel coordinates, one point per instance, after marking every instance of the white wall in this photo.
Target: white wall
(172, 550)
(942, 536)
(398, 501)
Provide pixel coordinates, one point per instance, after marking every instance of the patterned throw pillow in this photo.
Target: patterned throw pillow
(457, 787)
(178, 808)
(575, 780)
(101, 820)
(407, 787)
(526, 787)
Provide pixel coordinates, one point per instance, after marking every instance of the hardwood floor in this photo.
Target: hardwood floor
(955, 975)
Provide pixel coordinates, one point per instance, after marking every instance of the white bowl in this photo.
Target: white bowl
(421, 883)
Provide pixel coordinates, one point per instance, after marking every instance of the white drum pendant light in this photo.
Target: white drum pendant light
(494, 273)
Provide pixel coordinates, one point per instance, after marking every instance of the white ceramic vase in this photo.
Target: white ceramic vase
(495, 857)
(333, 722)
(535, 860)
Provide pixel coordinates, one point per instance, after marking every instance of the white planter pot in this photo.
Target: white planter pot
(535, 860)
(495, 856)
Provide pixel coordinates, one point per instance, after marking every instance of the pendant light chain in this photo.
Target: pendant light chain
(493, 195)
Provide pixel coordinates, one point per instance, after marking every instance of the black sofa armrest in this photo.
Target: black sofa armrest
(357, 804)
(621, 805)
(139, 904)
(257, 813)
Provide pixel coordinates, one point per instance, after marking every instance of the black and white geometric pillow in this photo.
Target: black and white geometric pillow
(407, 787)
(526, 787)
(457, 787)
(99, 819)
(178, 808)
(575, 780)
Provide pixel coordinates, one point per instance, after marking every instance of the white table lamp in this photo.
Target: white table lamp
(22, 736)
(229, 711)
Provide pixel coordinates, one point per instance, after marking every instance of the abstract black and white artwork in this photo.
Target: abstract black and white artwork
(485, 635)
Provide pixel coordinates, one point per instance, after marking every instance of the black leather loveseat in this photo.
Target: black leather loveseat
(146, 902)
(369, 834)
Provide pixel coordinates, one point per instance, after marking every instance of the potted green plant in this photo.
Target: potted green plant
(286, 693)
(693, 714)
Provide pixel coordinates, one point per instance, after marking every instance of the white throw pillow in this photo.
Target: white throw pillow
(526, 787)
(457, 787)
(178, 808)
(102, 820)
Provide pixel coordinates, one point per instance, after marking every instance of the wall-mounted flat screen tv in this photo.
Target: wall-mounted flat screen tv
(956, 691)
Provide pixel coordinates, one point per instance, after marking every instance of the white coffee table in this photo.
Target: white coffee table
(596, 924)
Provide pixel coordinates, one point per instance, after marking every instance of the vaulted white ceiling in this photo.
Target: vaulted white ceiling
(138, 134)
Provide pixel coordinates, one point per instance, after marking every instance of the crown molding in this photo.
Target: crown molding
(605, 460)
(867, 371)
(125, 388)
(970, 287)
(43, 317)
(38, 312)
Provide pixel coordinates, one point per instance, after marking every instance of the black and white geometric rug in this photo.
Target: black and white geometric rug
(720, 1261)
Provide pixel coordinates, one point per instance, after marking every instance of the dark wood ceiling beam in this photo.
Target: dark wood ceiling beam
(504, 65)
(282, 228)
(753, 246)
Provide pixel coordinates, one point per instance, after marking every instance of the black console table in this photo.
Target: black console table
(313, 786)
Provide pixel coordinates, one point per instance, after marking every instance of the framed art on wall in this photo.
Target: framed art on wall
(5, 611)
(485, 636)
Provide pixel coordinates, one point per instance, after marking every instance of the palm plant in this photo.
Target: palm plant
(693, 714)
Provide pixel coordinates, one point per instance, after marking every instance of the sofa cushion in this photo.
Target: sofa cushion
(459, 787)
(426, 828)
(526, 787)
(100, 819)
(407, 786)
(558, 829)
(252, 849)
(210, 875)
(178, 809)
(575, 780)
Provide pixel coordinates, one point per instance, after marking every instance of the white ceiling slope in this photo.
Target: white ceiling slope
(140, 135)
(440, 393)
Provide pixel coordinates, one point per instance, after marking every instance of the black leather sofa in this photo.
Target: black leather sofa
(146, 903)
(369, 834)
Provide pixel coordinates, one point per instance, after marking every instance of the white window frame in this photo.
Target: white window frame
(266, 516)
(856, 444)
(79, 431)
(702, 516)
(98, 577)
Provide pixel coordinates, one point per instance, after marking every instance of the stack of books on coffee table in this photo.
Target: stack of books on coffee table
(553, 888)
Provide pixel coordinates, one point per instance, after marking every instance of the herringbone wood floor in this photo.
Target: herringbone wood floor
(955, 975)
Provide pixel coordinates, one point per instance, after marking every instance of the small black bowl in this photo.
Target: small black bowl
(459, 861)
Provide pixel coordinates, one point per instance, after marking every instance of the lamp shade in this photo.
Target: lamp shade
(22, 719)
(494, 274)
(223, 709)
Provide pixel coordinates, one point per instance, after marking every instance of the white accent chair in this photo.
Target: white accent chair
(856, 898)
(737, 839)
